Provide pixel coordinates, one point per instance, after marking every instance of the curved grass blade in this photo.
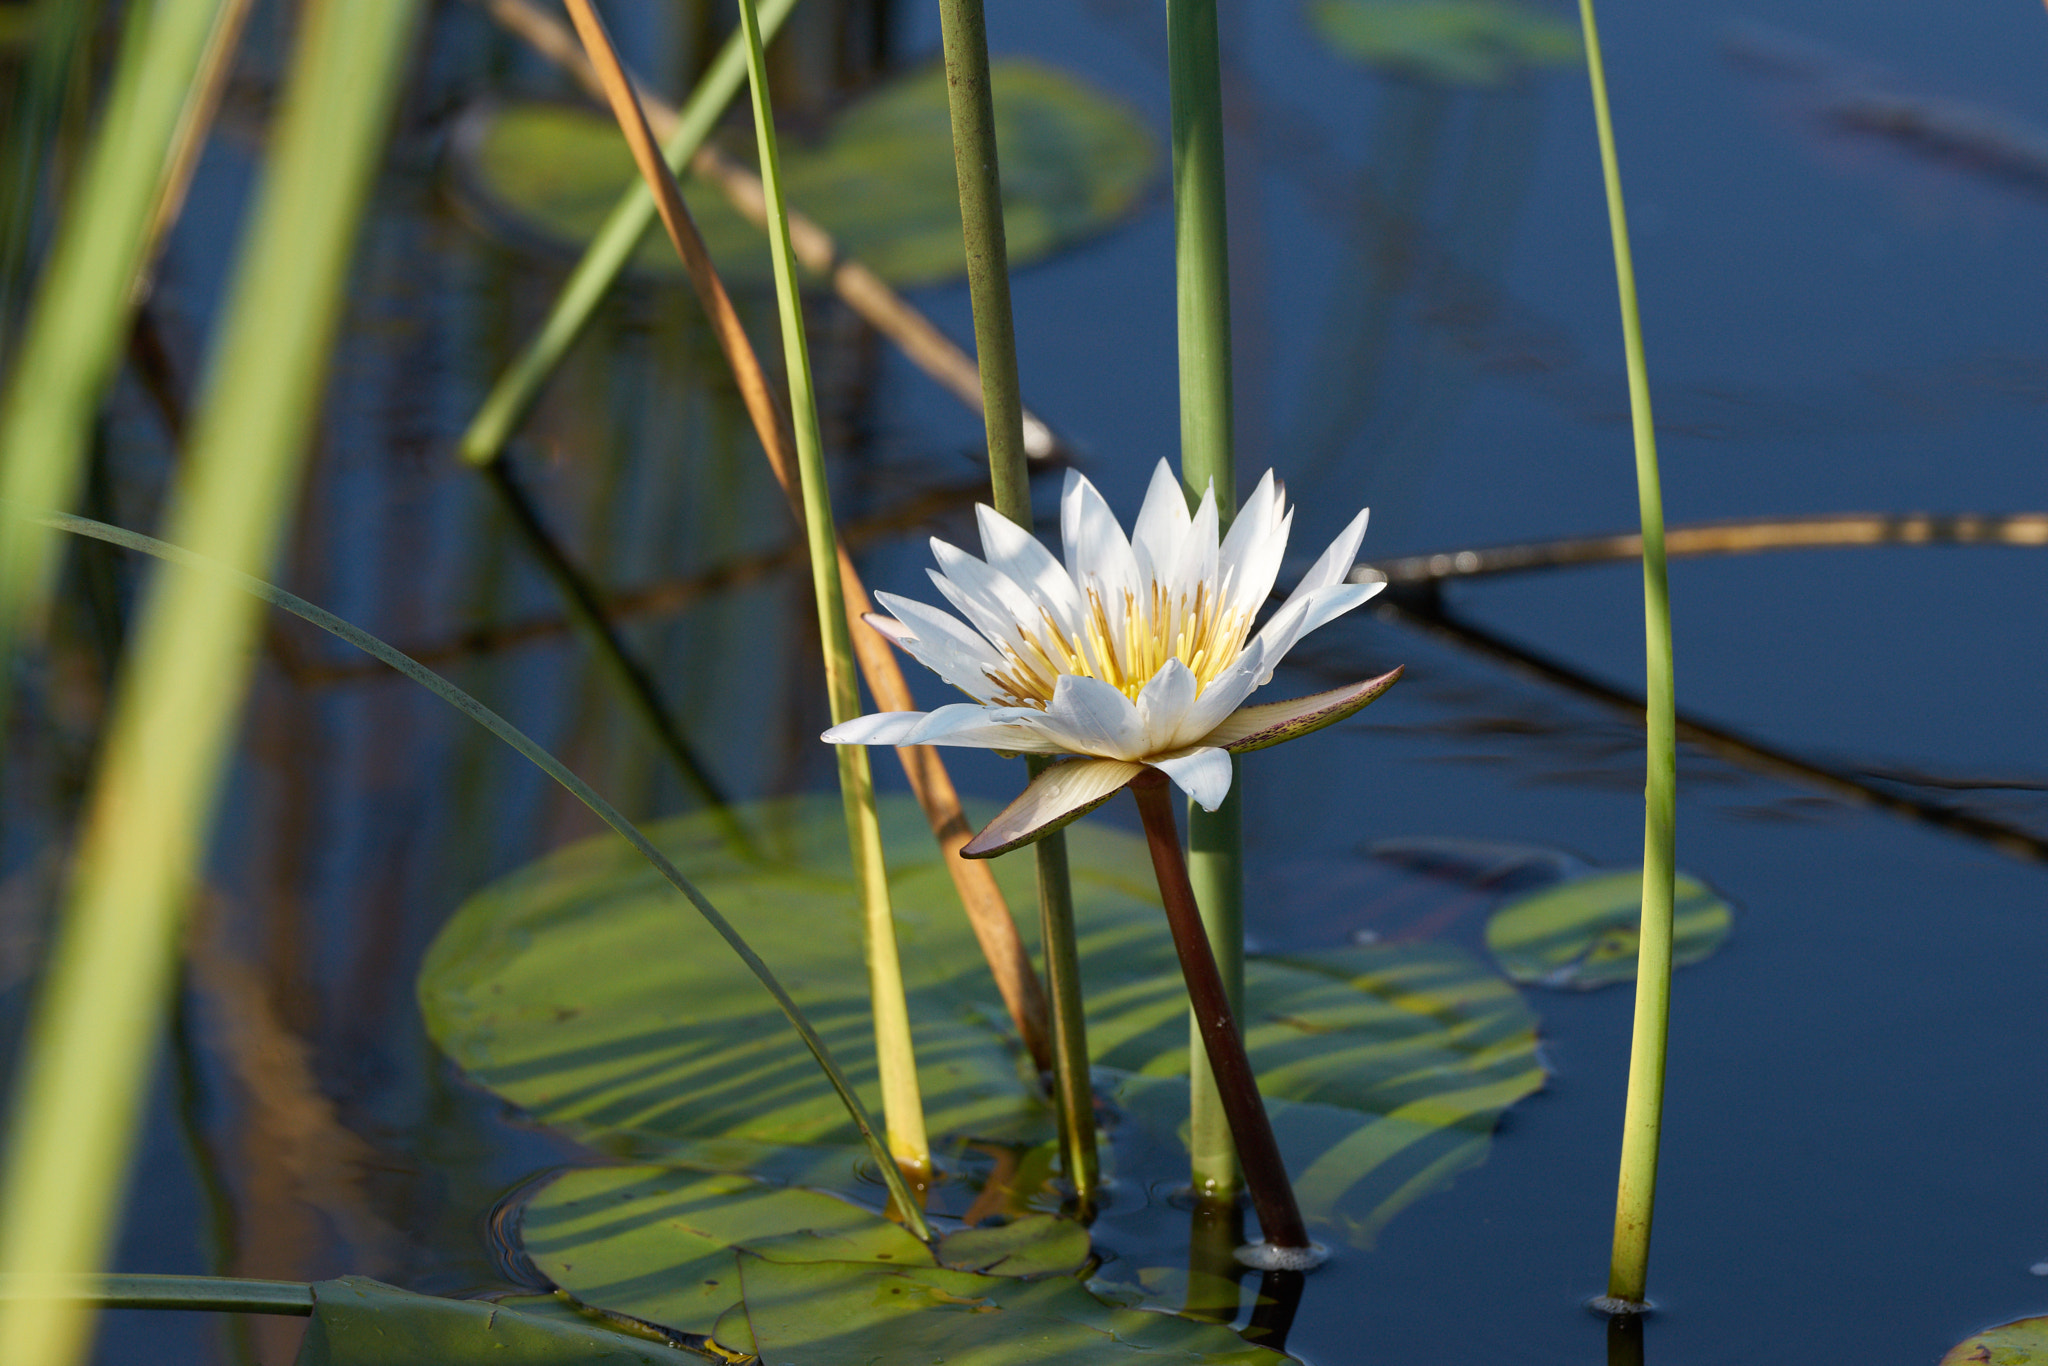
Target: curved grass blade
(548, 764)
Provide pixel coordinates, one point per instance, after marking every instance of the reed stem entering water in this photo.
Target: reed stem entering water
(1642, 1118)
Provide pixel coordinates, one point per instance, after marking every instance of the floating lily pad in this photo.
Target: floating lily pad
(880, 180)
(584, 990)
(359, 1322)
(1584, 933)
(2023, 1342)
(803, 1277)
(1452, 42)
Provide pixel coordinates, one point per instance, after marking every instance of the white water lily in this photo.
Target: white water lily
(1135, 653)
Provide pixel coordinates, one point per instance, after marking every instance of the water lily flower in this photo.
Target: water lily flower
(1136, 653)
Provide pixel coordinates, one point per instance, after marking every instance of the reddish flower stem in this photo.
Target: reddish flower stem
(1258, 1152)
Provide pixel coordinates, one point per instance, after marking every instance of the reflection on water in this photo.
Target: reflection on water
(1436, 340)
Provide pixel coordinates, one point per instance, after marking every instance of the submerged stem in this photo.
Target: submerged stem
(1073, 1091)
(1258, 1151)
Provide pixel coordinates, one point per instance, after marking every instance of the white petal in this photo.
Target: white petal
(1015, 552)
(1250, 558)
(1304, 612)
(1092, 717)
(1098, 555)
(1055, 797)
(1203, 773)
(994, 605)
(882, 728)
(1225, 694)
(943, 645)
(1018, 729)
(1196, 563)
(1165, 703)
(1337, 561)
(1161, 526)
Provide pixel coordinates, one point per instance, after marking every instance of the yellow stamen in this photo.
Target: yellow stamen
(1126, 650)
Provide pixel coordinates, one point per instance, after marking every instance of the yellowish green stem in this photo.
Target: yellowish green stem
(902, 1107)
(1642, 1118)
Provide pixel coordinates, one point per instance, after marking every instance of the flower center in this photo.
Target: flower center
(1122, 643)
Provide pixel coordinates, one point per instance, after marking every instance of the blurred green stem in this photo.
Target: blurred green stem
(1202, 278)
(902, 1106)
(1642, 1119)
(79, 320)
(971, 101)
(100, 1010)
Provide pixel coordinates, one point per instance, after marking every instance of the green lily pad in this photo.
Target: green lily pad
(880, 180)
(583, 990)
(359, 1322)
(1451, 42)
(786, 1274)
(1584, 933)
(2023, 1342)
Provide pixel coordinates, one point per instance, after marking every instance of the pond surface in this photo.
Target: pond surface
(1843, 314)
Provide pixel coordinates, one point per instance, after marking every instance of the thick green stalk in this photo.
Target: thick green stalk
(1202, 289)
(83, 306)
(972, 104)
(101, 1007)
(512, 397)
(1642, 1119)
(971, 101)
(902, 1107)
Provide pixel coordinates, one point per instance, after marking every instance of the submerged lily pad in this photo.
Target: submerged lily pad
(1453, 42)
(585, 991)
(2023, 1342)
(881, 179)
(1584, 933)
(360, 1322)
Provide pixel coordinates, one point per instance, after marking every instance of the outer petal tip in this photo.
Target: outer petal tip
(1060, 795)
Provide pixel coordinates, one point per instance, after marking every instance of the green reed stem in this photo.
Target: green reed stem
(902, 1106)
(971, 101)
(80, 316)
(1642, 1118)
(101, 1006)
(1202, 280)
(513, 396)
(554, 768)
